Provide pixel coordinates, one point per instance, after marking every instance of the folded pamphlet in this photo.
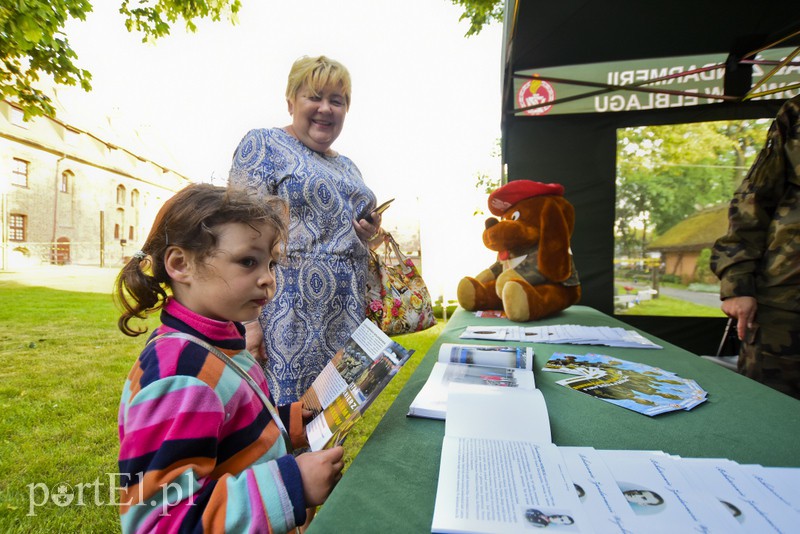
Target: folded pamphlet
(350, 382)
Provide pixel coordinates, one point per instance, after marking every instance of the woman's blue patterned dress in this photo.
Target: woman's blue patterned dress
(320, 295)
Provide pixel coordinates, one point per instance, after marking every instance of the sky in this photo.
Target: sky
(424, 119)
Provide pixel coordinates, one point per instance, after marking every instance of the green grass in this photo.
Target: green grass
(671, 307)
(63, 366)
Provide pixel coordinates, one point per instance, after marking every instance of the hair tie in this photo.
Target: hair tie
(139, 255)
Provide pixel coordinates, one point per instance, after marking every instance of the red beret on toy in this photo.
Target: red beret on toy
(503, 198)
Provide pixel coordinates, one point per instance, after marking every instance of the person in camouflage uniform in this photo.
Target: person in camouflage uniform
(758, 260)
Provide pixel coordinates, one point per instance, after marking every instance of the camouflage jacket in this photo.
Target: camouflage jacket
(760, 254)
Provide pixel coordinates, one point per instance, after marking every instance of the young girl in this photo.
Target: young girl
(199, 448)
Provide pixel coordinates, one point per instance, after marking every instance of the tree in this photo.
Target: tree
(479, 13)
(485, 183)
(666, 173)
(33, 43)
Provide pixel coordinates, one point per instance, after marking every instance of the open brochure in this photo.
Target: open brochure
(499, 471)
(350, 382)
(489, 366)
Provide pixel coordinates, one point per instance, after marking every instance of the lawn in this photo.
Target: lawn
(665, 306)
(64, 363)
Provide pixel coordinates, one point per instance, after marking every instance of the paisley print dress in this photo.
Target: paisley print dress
(320, 294)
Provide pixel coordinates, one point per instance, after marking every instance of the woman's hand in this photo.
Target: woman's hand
(367, 231)
(320, 472)
(254, 341)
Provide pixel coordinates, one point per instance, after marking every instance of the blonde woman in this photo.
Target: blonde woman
(321, 283)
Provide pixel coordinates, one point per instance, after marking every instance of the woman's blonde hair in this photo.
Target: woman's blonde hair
(318, 73)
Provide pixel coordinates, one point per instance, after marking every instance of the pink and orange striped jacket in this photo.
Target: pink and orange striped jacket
(198, 450)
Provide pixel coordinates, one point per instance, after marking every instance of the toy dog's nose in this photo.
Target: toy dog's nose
(491, 221)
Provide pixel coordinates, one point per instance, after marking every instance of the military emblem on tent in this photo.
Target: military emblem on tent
(534, 93)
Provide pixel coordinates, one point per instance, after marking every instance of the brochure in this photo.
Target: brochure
(493, 314)
(350, 382)
(567, 334)
(499, 472)
(490, 366)
(597, 491)
(752, 505)
(635, 386)
(663, 500)
(783, 483)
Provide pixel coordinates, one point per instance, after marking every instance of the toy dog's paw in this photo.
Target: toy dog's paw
(466, 293)
(505, 277)
(515, 301)
(473, 295)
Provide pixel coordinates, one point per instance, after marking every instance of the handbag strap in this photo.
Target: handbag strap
(242, 374)
(393, 246)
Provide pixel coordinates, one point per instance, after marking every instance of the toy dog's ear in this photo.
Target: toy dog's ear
(557, 220)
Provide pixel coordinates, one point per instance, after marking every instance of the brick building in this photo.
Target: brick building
(73, 196)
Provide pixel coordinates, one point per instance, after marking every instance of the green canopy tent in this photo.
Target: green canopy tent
(575, 71)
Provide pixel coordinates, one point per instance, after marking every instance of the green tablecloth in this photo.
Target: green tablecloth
(391, 484)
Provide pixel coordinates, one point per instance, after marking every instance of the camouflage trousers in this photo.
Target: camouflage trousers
(770, 352)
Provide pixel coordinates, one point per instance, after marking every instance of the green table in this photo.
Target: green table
(391, 484)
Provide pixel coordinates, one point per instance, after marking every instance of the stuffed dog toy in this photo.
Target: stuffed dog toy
(534, 275)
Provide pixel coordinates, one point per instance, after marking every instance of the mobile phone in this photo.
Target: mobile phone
(380, 209)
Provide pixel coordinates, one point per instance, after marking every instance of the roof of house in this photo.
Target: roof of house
(696, 232)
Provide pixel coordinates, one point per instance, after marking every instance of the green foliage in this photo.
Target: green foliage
(438, 311)
(155, 20)
(33, 43)
(480, 13)
(703, 270)
(485, 183)
(666, 173)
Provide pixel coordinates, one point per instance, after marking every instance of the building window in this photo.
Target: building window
(16, 227)
(120, 195)
(130, 233)
(19, 172)
(119, 226)
(66, 182)
(134, 198)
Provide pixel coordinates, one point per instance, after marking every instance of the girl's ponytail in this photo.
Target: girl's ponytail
(138, 293)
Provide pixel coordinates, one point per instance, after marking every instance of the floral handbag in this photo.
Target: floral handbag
(397, 299)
